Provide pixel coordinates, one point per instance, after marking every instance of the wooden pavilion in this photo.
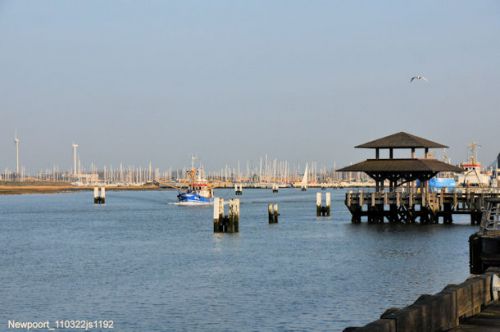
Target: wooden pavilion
(410, 205)
(399, 171)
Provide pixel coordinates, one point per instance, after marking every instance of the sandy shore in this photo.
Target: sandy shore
(26, 188)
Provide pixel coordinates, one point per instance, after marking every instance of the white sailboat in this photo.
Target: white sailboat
(303, 185)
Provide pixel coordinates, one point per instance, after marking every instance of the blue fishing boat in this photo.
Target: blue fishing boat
(194, 197)
(198, 192)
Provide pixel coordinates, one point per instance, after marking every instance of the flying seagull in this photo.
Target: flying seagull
(418, 78)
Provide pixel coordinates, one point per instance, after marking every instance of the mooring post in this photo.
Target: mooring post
(96, 195)
(99, 196)
(237, 215)
(234, 216)
(318, 204)
(238, 190)
(216, 214)
(272, 212)
(230, 224)
(328, 202)
(103, 195)
(222, 216)
(349, 198)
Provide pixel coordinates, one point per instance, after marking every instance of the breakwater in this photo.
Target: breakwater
(452, 307)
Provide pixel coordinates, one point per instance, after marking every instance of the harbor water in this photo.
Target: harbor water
(150, 265)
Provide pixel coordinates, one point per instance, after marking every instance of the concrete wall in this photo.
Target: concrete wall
(438, 312)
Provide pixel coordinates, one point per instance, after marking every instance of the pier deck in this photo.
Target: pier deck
(412, 206)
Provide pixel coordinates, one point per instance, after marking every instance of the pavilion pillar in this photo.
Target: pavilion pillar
(413, 153)
(391, 153)
(377, 153)
(426, 153)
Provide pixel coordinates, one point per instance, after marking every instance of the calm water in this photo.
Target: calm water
(153, 266)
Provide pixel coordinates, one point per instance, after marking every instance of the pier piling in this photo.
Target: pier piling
(234, 216)
(229, 223)
(238, 189)
(423, 207)
(323, 211)
(273, 213)
(217, 215)
(99, 196)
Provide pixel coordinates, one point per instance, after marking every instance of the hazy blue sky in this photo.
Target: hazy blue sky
(134, 81)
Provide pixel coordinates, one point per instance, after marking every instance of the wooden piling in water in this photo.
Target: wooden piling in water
(273, 213)
(229, 223)
(238, 189)
(96, 195)
(217, 215)
(323, 211)
(424, 207)
(234, 216)
(99, 195)
(318, 204)
(328, 203)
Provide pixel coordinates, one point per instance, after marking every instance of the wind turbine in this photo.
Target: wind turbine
(16, 141)
(75, 172)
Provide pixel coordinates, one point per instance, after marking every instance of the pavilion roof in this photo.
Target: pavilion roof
(401, 140)
(402, 165)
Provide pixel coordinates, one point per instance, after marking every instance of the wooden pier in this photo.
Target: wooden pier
(408, 198)
(414, 207)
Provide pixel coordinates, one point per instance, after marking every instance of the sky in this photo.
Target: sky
(139, 81)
